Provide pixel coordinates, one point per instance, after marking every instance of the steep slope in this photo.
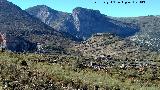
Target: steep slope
(89, 22)
(60, 21)
(81, 22)
(24, 31)
(149, 34)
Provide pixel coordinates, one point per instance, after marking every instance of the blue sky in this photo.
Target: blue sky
(151, 7)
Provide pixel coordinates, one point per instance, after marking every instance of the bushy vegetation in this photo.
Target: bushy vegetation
(38, 71)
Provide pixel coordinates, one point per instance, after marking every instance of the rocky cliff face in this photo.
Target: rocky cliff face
(89, 22)
(23, 30)
(81, 22)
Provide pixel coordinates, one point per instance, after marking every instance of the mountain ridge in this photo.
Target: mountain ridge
(84, 22)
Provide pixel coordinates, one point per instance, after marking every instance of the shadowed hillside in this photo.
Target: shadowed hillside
(24, 31)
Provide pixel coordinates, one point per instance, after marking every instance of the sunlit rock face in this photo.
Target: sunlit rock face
(89, 22)
(82, 22)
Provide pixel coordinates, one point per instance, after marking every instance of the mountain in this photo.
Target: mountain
(23, 31)
(149, 34)
(60, 21)
(82, 22)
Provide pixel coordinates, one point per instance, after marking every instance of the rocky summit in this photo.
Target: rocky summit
(60, 21)
(82, 22)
